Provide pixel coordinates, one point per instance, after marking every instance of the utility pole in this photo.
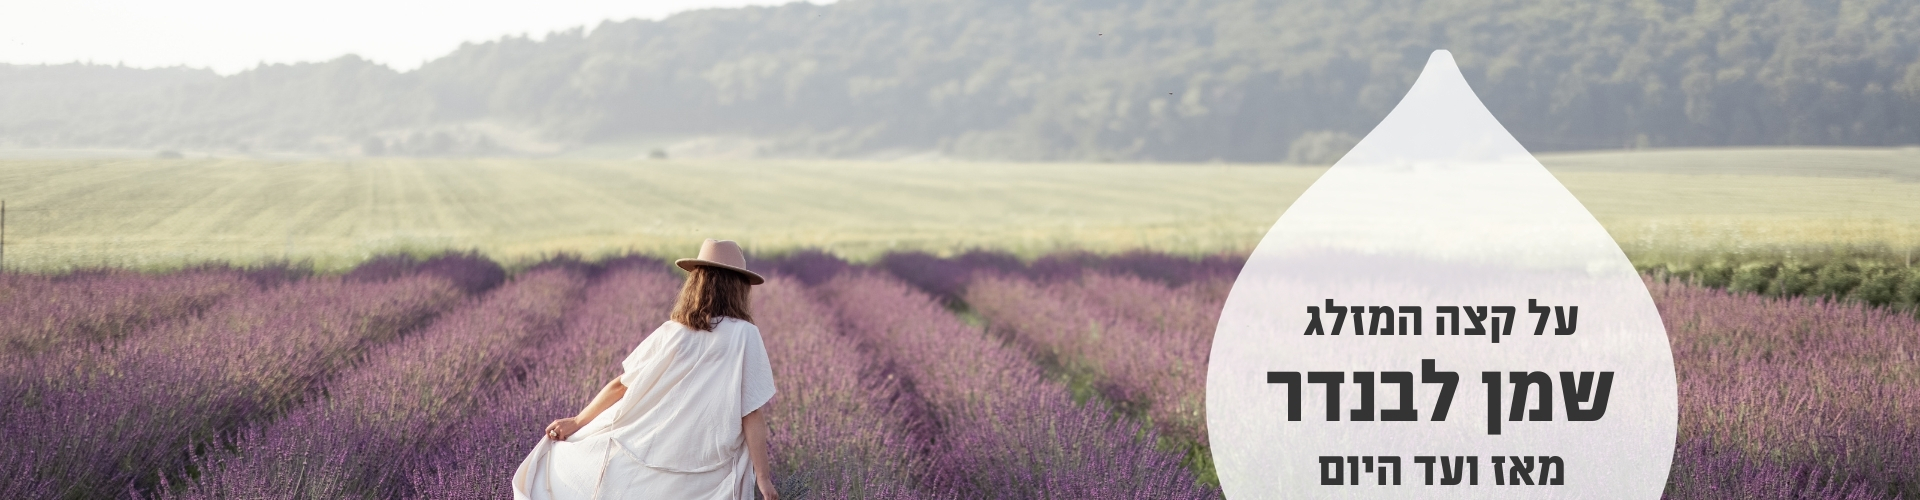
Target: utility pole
(3, 236)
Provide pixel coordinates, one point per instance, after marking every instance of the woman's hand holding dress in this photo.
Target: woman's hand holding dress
(560, 429)
(612, 392)
(767, 492)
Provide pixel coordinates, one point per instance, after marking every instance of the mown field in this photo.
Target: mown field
(140, 213)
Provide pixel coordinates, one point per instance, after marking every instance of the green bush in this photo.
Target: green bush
(1753, 277)
(1715, 275)
(1908, 294)
(1792, 280)
(1834, 280)
(1880, 288)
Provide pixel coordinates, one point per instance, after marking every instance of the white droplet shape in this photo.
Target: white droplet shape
(1439, 207)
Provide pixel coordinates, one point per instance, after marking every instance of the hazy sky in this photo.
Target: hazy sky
(233, 35)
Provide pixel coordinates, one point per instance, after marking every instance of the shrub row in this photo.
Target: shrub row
(1878, 284)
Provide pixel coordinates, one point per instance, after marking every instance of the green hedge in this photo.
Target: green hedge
(1875, 282)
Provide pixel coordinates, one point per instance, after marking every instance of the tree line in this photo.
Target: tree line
(1172, 80)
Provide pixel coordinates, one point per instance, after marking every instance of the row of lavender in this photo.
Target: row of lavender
(406, 379)
(1798, 397)
(884, 394)
(402, 403)
(1792, 397)
(129, 415)
(42, 313)
(480, 450)
(114, 379)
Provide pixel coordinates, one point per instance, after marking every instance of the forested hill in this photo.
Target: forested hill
(1250, 80)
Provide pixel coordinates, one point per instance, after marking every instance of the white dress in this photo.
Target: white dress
(675, 435)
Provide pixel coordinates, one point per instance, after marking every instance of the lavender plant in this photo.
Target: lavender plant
(108, 422)
(20, 479)
(1143, 344)
(1000, 428)
(1705, 471)
(39, 313)
(478, 457)
(217, 383)
(1817, 386)
(1173, 270)
(397, 407)
(470, 272)
(947, 278)
(839, 422)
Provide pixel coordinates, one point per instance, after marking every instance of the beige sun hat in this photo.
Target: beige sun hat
(724, 254)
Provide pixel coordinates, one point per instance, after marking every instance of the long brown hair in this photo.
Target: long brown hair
(710, 293)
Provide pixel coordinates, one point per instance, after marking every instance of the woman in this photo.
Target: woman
(686, 420)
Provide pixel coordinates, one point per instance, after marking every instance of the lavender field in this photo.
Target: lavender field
(915, 376)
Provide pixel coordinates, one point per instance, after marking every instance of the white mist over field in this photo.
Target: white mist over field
(229, 36)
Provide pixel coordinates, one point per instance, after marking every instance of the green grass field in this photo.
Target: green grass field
(142, 213)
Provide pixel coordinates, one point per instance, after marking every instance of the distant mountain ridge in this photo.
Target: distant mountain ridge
(1171, 80)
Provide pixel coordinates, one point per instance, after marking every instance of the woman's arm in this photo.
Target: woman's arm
(755, 425)
(610, 394)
